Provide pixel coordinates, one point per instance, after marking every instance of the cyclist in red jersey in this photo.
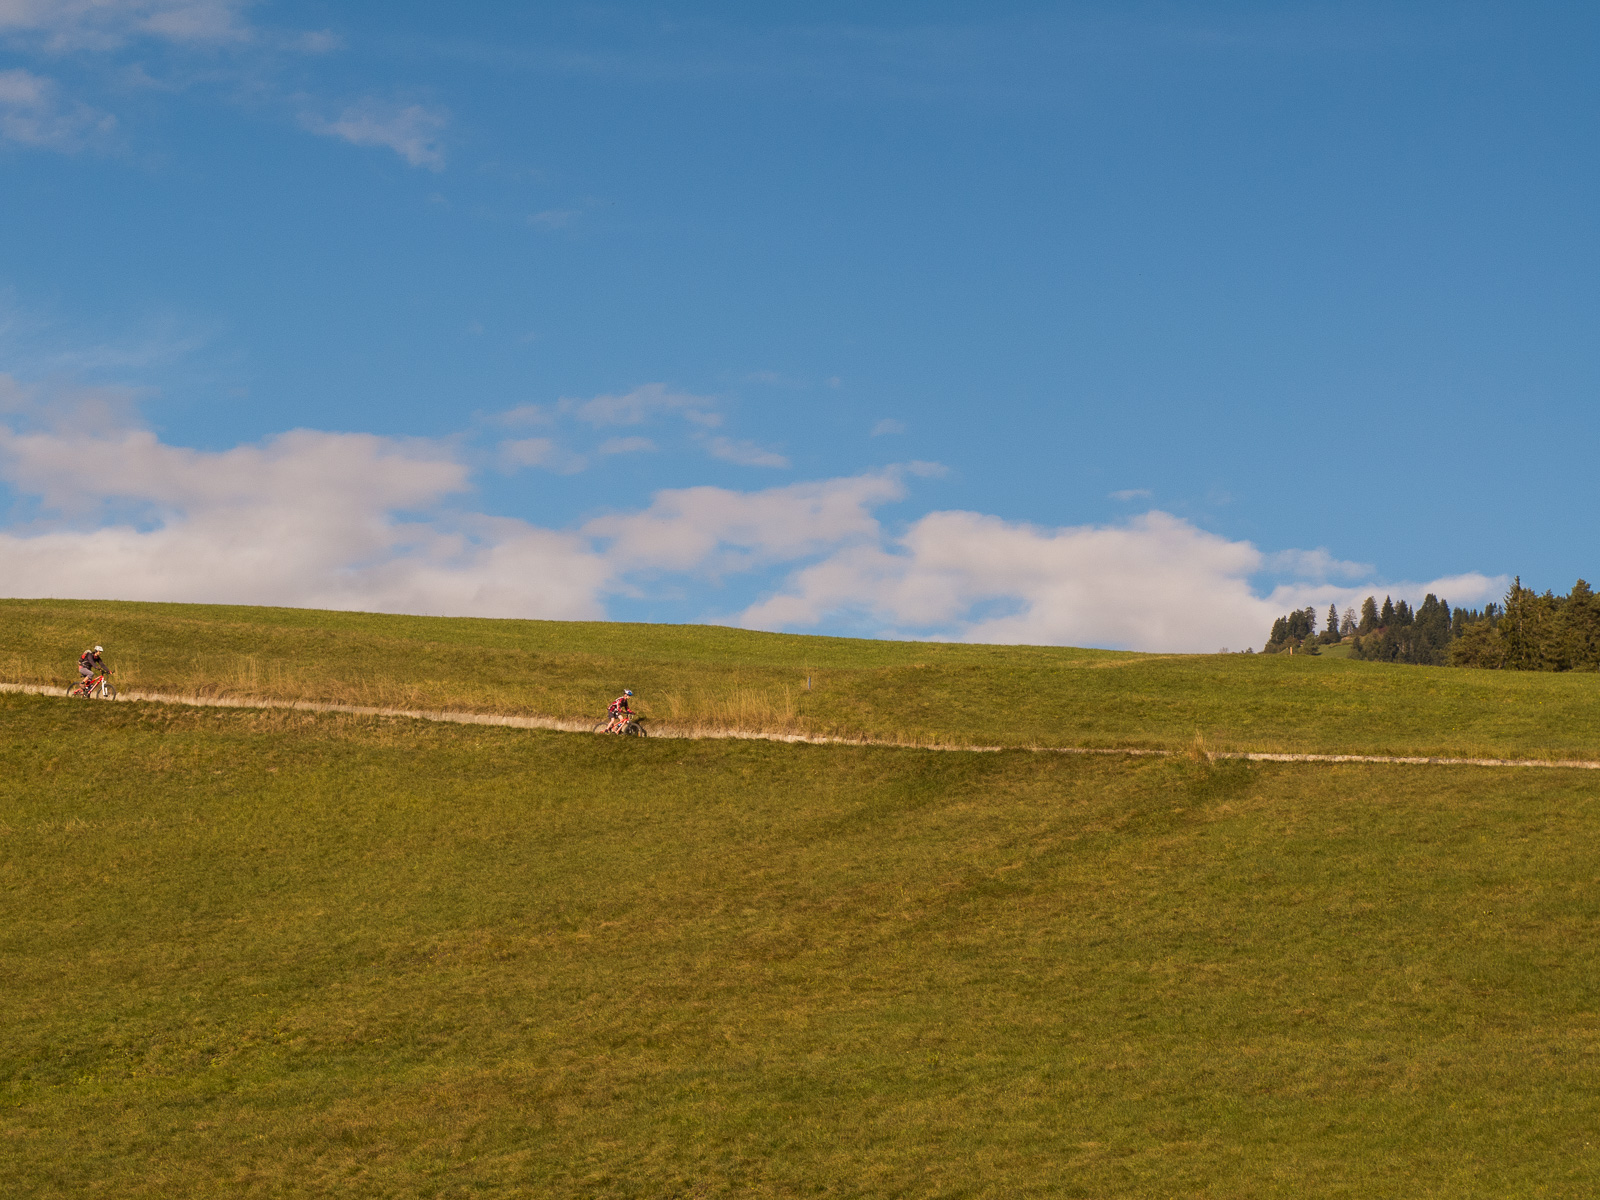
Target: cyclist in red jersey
(620, 711)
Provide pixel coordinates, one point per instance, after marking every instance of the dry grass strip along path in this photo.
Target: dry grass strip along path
(664, 730)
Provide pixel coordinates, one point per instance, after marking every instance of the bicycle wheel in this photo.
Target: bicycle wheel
(601, 727)
(108, 690)
(634, 729)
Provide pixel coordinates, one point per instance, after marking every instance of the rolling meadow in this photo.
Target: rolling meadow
(716, 678)
(276, 953)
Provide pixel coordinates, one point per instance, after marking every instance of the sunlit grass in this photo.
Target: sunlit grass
(284, 954)
(709, 678)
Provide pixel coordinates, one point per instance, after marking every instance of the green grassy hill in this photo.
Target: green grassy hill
(712, 677)
(280, 954)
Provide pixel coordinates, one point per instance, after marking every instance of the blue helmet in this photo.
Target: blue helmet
(627, 691)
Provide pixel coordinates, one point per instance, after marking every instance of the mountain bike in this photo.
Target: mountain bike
(634, 727)
(96, 687)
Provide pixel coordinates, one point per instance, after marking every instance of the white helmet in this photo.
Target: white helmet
(99, 649)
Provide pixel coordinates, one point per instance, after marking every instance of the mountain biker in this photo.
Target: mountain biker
(91, 664)
(620, 712)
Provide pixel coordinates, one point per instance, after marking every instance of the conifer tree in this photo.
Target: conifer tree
(1369, 615)
(1301, 622)
(1520, 627)
(1581, 618)
(1386, 613)
(1332, 632)
(1478, 646)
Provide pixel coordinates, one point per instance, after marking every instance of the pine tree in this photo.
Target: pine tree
(1431, 642)
(1479, 645)
(1369, 615)
(1331, 634)
(1279, 638)
(1514, 625)
(1581, 619)
(1386, 613)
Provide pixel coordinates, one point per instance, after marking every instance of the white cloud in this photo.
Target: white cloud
(539, 452)
(637, 407)
(888, 425)
(716, 529)
(1132, 494)
(358, 521)
(21, 88)
(524, 414)
(304, 518)
(649, 403)
(33, 113)
(119, 30)
(746, 454)
(1155, 583)
(642, 404)
(412, 131)
(1315, 564)
(103, 24)
(38, 345)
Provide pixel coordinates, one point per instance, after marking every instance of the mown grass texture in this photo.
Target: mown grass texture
(704, 677)
(279, 954)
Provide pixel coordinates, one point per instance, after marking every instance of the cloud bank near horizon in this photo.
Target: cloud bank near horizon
(359, 521)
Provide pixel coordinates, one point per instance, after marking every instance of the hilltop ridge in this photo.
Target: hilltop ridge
(720, 678)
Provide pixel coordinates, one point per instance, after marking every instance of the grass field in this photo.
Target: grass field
(713, 677)
(1341, 650)
(277, 954)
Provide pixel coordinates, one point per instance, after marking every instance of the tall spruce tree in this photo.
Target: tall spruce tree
(1581, 618)
(1301, 623)
(1369, 615)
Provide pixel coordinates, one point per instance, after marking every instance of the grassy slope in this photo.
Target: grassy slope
(277, 954)
(974, 695)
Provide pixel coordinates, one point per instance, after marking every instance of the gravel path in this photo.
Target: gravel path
(663, 729)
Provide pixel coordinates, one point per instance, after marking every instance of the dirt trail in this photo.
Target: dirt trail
(664, 729)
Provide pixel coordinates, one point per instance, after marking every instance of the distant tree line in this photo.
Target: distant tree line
(1528, 632)
(1536, 633)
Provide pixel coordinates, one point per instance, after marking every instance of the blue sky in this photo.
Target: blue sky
(1117, 324)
